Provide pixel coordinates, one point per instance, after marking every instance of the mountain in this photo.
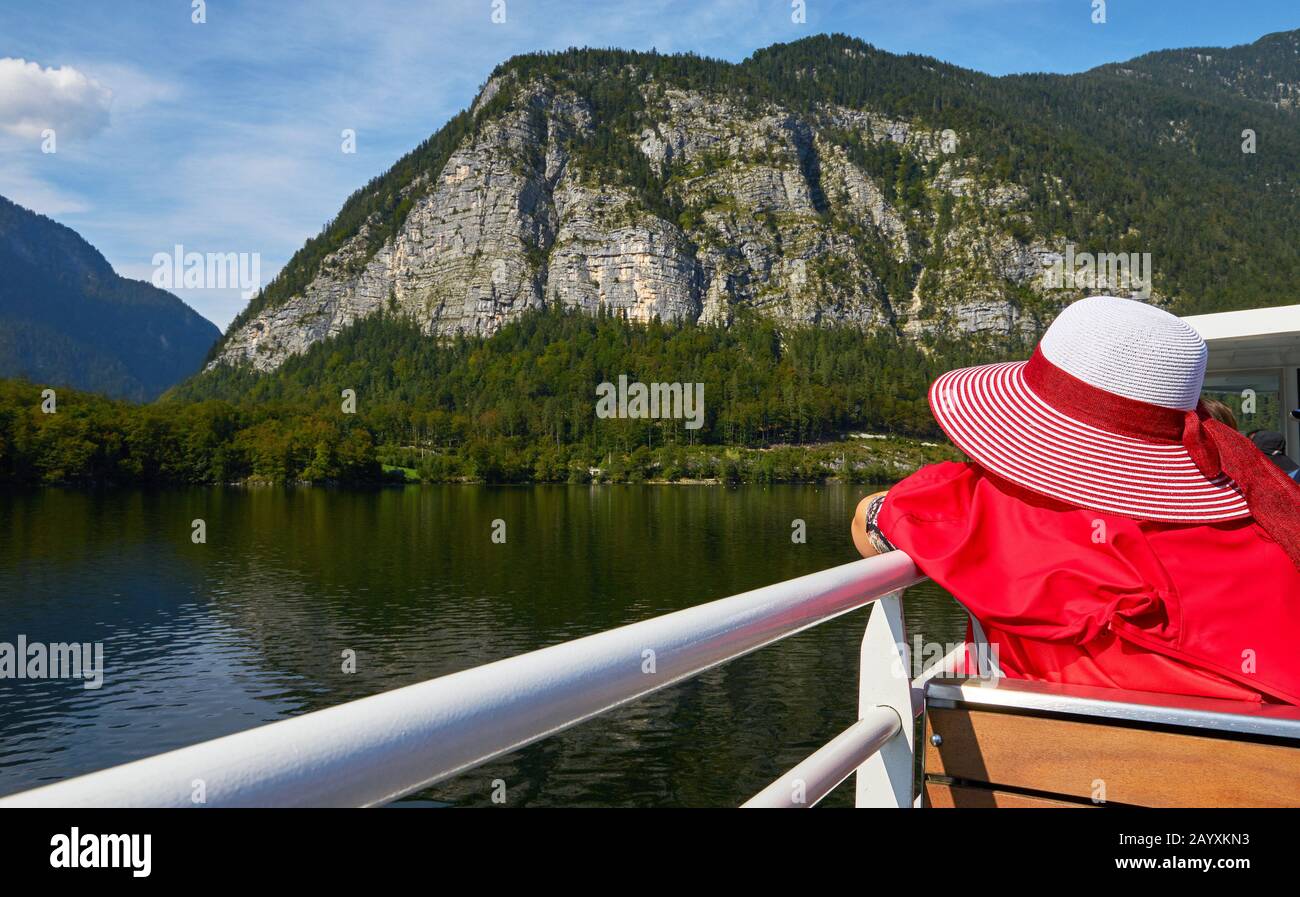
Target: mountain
(1267, 71)
(67, 319)
(820, 182)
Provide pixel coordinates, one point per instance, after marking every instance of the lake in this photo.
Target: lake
(202, 640)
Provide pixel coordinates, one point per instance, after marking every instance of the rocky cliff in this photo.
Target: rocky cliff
(775, 215)
(618, 182)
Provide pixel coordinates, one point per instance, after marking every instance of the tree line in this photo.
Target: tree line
(516, 406)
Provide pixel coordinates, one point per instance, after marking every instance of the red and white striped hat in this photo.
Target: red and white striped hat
(1103, 416)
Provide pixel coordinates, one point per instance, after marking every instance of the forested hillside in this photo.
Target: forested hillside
(812, 234)
(820, 182)
(516, 406)
(536, 377)
(67, 319)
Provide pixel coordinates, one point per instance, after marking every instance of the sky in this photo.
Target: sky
(226, 135)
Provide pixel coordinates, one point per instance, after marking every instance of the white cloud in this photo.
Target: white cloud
(33, 98)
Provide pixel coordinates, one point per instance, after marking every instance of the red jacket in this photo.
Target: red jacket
(1089, 598)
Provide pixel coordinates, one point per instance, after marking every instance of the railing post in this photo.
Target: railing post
(885, 779)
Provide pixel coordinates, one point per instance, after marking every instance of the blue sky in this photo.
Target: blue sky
(225, 136)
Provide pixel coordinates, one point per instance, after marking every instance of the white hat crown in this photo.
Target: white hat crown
(1130, 349)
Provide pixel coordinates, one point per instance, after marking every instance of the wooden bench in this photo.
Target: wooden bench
(1011, 743)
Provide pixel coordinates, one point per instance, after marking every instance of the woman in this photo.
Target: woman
(1107, 531)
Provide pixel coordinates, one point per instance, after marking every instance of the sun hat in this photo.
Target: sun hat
(1106, 415)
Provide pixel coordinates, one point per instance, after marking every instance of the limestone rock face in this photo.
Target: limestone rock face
(605, 254)
(771, 210)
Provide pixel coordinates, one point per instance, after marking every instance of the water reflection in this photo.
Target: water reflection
(201, 640)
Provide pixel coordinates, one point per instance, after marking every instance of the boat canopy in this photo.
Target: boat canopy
(1254, 367)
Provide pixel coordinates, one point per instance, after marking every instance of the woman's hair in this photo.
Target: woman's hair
(1219, 411)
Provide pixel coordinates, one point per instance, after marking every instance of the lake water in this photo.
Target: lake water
(202, 640)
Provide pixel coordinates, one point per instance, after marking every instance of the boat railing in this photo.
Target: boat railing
(375, 750)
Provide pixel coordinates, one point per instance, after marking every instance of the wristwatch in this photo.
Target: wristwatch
(874, 535)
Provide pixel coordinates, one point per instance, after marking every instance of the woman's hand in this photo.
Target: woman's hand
(859, 527)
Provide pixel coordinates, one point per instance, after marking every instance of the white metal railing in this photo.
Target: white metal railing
(374, 750)
(817, 776)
